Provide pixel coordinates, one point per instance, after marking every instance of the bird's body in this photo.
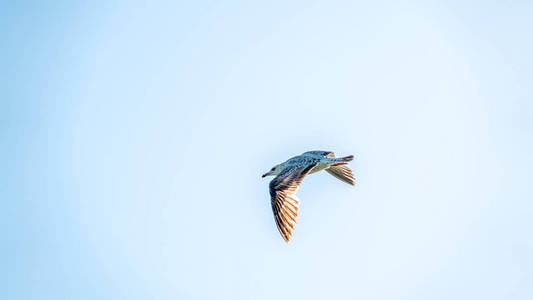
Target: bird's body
(288, 177)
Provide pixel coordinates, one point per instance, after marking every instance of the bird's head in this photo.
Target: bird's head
(274, 171)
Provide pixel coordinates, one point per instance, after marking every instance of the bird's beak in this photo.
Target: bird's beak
(264, 175)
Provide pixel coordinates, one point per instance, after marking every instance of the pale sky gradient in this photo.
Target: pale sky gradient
(133, 135)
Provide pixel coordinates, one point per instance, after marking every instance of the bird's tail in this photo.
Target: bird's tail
(342, 160)
(346, 158)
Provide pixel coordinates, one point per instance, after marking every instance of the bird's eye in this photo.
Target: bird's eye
(273, 169)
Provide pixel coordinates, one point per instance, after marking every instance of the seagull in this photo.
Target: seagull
(290, 174)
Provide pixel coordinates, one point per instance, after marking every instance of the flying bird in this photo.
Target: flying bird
(288, 177)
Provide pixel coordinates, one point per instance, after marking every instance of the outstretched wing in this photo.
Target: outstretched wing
(283, 198)
(341, 172)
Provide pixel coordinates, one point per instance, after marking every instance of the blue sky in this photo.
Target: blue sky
(134, 133)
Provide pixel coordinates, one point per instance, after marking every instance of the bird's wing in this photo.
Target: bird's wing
(283, 198)
(343, 173)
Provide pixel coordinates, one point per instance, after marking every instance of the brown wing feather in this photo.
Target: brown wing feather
(283, 198)
(342, 173)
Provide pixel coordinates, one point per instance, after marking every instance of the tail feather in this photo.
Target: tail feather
(347, 158)
(342, 160)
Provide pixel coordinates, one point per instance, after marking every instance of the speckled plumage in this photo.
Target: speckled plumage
(289, 176)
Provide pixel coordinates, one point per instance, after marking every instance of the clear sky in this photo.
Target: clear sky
(133, 135)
